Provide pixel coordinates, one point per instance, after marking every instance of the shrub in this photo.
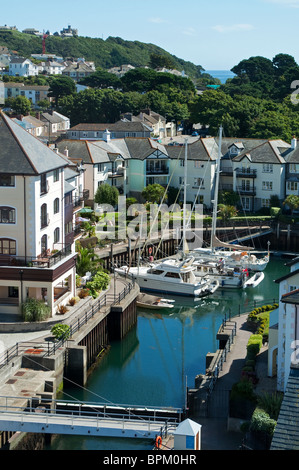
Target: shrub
(72, 301)
(34, 310)
(99, 282)
(61, 310)
(243, 389)
(83, 293)
(271, 403)
(61, 332)
(261, 422)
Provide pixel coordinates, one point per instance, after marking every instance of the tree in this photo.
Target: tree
(292, 202)
(160, 61)
(20, 104)
(153, 193)
(61, 86)
(227, 212)
(86, 261)
(107, 194)
(101, 79)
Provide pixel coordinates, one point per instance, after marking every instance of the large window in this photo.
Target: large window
(43, 184)
(43, 216)
(8, 246)
(56, 235)
(7, 180)
(7, 215)
(56, 205)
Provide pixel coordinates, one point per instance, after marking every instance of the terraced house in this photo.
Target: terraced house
(37, 256)
(131, 164)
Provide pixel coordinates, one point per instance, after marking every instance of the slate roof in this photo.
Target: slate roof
(248, 144)
(287, 276)
(204, 149)
(120, 126)
(286, 434)
(23, 154)
(268, 152)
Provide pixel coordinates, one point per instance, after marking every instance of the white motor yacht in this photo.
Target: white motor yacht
(171, 277)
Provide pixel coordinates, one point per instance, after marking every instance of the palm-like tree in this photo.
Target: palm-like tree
(87, 261)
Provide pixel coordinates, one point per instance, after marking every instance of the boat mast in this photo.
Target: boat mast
(185, 196)
(215, 202)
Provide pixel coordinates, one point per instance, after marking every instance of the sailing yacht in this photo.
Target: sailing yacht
(171, 277)
(239, 256)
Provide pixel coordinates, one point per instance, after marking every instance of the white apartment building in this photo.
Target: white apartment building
(37, 256)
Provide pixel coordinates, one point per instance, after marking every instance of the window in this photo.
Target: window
(292, 185)
(68, 228)
(43, 184)
(7, 215)
(44, 244)
(43, 216)
(8, 246)
(267, 168)
(198, 182)
(7, 180)
(56, 175)
(56, 205)
(267, 185)
(293, 168)
(56, 235)
(173, 275)
(265, 202)
(181, 180)
(182, 162)
(198, 164)
(101, 167)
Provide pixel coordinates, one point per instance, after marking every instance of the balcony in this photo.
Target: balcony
(119, 173)
(159, 170)
(246, 191)
(44, 260)
(226, 171)
(246, 173)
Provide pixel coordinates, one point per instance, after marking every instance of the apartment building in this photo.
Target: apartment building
(37, 255)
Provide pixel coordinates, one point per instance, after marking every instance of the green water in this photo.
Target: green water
(163, 353)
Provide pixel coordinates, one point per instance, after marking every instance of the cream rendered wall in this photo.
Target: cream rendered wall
(55, 190)
(14, 197)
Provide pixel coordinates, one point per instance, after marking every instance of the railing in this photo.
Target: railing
(49, 348)
(218, 365)
(157, 171)
(42, 261)
(246, 173)
(246, 190)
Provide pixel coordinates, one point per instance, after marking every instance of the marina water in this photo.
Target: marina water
(162, 354)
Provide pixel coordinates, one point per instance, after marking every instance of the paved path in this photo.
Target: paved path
(214, 434)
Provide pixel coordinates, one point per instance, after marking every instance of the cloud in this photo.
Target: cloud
(233, 28)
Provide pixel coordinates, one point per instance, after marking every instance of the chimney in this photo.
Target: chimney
(107, 135)
(66, 152)
(294, 143)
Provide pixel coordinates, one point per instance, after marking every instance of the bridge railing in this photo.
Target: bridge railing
(167, 416)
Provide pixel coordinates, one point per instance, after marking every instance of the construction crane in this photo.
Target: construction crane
(44, 42)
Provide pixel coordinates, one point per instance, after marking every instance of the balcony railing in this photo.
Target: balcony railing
(45, 260)
(246, 173)
(151, 170)
(250, 191)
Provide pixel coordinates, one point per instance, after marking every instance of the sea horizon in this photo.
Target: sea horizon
(223, 75)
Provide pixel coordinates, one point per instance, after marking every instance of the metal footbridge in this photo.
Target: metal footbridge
(87, 419)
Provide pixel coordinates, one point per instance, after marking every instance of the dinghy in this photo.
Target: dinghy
(255, 280)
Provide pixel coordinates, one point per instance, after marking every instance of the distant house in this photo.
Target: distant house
(292, 169)
(22, 67)
(52, 67)
(55, 122)
(78, 71)
(118, 130)
(121, 70)
(34, 93)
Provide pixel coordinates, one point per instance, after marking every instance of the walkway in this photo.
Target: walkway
(214, 433)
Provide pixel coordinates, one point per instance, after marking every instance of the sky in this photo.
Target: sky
(215, 34)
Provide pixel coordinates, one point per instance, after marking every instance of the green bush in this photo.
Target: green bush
(60, 332)
(34, 310)
(261, 422)
(99, 282)
(271, 403)
(243, 389)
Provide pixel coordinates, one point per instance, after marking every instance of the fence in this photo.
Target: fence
(48, 348)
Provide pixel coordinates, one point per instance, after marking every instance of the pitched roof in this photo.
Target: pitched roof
(287, 276)
(120, 126)
(286, 434)
(23, 154)
(204, 149)
(267, 152)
